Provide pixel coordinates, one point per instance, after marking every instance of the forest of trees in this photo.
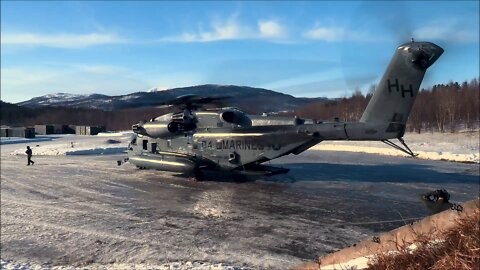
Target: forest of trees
(444, 107)
(14, 115)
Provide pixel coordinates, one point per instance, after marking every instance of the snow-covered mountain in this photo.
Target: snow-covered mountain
(156, 89)
(60, 99)
(241, 96)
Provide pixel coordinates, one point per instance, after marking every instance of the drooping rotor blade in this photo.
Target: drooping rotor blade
(207, 100)
(164, 106)
(193, 101)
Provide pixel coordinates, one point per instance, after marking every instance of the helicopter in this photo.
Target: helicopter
(192, 139)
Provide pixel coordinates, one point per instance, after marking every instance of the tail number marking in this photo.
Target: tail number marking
(399, 88)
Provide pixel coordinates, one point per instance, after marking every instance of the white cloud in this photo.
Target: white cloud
(22, 83)
(19, 77)
(60, 40)
(336, 33)
(326, 33)
(100, 69)
(228, 30)
(447, 30)
(232, 29)
(271, 29)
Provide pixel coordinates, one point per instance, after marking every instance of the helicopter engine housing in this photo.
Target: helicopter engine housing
(158, 129)
(236, 117)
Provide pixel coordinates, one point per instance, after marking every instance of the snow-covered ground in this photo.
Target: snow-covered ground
(55, 145)
(12, 265)
(14, 140)
(85, 212)
(460, 147)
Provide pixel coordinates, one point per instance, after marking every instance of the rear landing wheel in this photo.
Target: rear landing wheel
(198, 175)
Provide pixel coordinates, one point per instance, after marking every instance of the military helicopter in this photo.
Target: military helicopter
(192, 139)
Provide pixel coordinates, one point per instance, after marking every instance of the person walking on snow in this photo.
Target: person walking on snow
(29, 156)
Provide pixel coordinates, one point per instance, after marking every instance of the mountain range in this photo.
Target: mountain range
(262, 100)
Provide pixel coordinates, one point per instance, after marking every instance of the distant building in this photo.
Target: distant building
(80, 130)
(89, 130)
(68, 129)
(22, 132)
(29, 132)
(44, 129)
(54, 129)
(4, 132)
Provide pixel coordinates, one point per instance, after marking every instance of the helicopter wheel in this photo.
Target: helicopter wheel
(239, 178)
(197, 175)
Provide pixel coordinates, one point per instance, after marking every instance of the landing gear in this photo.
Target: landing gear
(198, 175)
(404, 149)
(239, 178)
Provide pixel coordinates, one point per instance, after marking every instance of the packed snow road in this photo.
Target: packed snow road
(86, 211)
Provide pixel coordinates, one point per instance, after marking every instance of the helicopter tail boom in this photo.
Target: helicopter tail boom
(394, 97)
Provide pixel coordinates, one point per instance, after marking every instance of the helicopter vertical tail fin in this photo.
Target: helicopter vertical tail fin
(395, 94)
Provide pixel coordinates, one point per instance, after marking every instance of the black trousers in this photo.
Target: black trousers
(29, 157)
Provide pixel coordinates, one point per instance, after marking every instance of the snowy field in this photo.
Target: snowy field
(54, 145)
(76, 209)
(459, 147)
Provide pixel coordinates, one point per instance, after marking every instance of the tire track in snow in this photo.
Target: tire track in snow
(9, 199)
(70, 229)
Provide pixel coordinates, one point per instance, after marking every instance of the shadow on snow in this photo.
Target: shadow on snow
(399, 173)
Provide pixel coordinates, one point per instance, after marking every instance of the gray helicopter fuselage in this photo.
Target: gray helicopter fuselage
(228, 139)
(223, 145)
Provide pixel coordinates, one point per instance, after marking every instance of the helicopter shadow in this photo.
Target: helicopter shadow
(331, 172)
(398, 173)
(222, 176)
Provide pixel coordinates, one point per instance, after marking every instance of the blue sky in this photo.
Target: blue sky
(299, 48)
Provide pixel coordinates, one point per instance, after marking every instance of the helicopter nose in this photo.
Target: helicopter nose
(138, 128)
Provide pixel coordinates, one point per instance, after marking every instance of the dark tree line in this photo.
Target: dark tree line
(346, 109)
(444, 107)
(447, 107)
(14, 115)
